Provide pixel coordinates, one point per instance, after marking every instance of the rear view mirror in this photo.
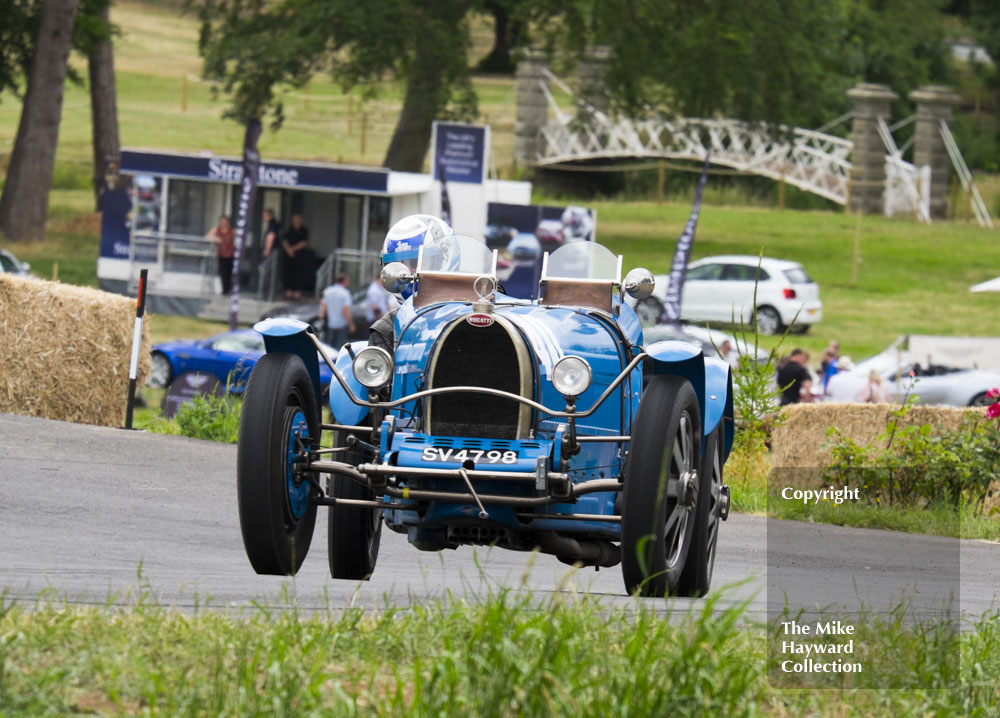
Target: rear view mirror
(395, 277)
(639, 283)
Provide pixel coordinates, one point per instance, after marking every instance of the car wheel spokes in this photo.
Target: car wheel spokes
(714, 509)
(679, 469)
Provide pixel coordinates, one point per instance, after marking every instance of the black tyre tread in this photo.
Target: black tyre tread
(272, 547)
(695, 579)
(660, 409)
(352, 553)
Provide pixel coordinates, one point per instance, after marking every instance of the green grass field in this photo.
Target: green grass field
(508, 654)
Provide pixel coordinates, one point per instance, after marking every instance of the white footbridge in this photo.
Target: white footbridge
(812, 160)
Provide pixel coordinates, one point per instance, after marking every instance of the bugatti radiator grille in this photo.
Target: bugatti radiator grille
(482, 357)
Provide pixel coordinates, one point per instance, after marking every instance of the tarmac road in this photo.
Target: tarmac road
(82, 508)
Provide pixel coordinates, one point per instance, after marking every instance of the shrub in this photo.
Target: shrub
(914, 465)
(212, 418)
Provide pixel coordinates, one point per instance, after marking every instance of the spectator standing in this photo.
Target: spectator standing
(875, 391)
(830, 355)
(224, 237)
(335, 310)
(272, 229)
(794, 379)
(295, 241)
(728, 354)
(376, 300)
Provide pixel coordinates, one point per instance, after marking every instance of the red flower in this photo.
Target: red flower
(993, 393)
(993, 411)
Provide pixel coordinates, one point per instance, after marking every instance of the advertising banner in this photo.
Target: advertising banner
(682, 255)
(248, 188)
(290, 175)
(460, 152)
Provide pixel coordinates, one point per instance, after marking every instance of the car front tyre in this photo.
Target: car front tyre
(279, 420)
(660, 487)
(768, 320)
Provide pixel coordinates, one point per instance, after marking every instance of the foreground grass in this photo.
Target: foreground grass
(505, 655)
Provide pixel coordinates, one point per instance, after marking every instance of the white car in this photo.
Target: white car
(717, 289)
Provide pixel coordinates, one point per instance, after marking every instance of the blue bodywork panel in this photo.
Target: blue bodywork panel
(289, 335)
(710, 378)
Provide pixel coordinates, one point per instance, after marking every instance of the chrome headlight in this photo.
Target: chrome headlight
(571, 376)
(373, 367)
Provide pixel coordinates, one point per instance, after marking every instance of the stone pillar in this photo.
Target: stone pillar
(592, 75)
(934, 103)
(532, 108)
(867, 191)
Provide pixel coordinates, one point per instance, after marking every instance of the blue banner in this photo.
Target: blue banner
(682, 255)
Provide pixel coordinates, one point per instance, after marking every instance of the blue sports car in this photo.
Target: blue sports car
(229, 356)
(543, 424)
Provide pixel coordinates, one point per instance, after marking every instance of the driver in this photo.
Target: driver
(402, 244)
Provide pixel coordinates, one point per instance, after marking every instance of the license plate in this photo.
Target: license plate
(438, 454)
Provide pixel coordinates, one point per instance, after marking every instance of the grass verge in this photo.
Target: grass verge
(507, 654)
(935, 520)
(747, 471)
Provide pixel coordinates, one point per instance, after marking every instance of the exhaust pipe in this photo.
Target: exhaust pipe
(591, 552)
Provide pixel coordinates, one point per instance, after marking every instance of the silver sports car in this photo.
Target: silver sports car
(934, 379)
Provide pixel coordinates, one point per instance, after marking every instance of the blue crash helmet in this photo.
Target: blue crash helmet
(404, 239)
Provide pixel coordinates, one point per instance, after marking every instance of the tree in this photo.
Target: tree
(95, 40)
(759, 60)
(508, 32)
(251, 47)
(18, 29)
(900, 43)
(24, 202)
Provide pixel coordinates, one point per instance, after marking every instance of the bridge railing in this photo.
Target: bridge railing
(814, 161)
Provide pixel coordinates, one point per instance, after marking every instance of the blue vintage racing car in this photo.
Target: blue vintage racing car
(545, 424)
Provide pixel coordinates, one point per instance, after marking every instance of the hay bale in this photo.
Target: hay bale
(65, 351)
(800, 437)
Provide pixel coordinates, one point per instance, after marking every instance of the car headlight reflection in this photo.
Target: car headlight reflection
(571, 376)
(373, 367)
